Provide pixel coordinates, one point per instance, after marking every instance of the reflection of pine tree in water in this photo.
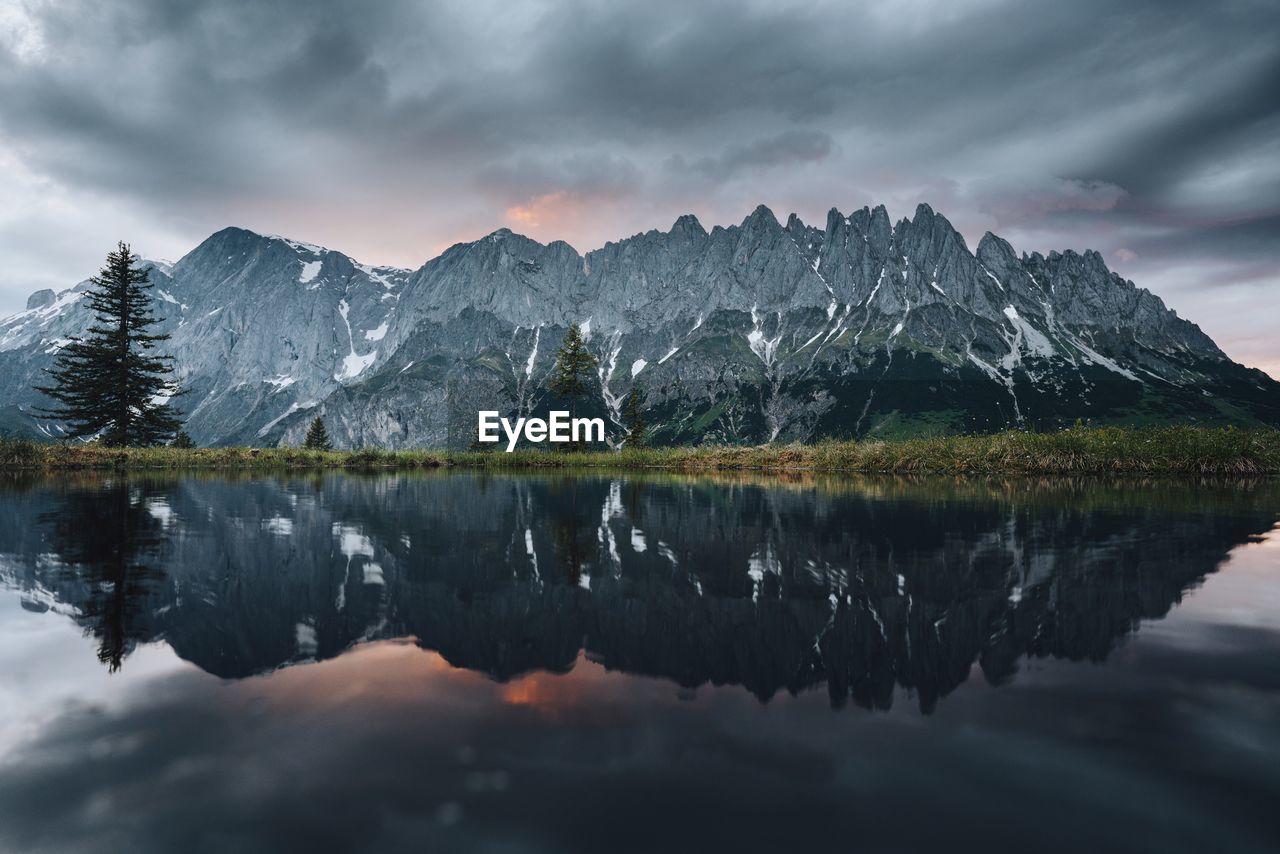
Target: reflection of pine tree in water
(632, 495)
(103, 538)
(571, 546)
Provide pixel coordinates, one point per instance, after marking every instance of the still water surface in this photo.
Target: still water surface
(631, 664)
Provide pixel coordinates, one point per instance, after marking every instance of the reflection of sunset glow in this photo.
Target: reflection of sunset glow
(591, 691)
(376, 678)
(549, 692)
(522, 693)
(385, 672)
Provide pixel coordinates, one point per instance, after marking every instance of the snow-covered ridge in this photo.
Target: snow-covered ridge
(311, 255)
(298, 245)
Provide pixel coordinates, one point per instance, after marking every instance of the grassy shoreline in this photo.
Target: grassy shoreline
(1076, 450)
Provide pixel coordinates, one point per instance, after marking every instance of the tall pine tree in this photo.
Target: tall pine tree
(571, 376)
(110, 384)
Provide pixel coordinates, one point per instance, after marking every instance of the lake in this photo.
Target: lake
(636, 663)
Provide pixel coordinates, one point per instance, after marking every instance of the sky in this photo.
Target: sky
(1148, 130)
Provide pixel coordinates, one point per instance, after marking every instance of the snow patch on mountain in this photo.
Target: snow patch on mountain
(533, 354)
(298, 245)
(1030, 339)
(1099, 359)
(310, 269)
(353, 364)
(381, 275)
(607, 366)
(765, 348)
(280, 383)
(293, 407)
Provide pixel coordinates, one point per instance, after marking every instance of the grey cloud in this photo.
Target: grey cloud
(790, 147)
(1032, 199)
(584, 174)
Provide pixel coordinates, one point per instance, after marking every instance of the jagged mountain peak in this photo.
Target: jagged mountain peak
(504, 241)
(41, 298)
(924, 220)
(834, 220)
(924, 212)
(685, 229)
(762, 216)
(687, 224)
(993, 246)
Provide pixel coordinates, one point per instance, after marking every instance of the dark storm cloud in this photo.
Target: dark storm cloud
(1234, 105)
(1147, 129)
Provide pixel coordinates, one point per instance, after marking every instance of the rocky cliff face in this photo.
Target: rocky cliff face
(752, 333)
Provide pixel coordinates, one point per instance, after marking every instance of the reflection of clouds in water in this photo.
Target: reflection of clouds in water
(48, 665)
(389, 748)
(1243, 593)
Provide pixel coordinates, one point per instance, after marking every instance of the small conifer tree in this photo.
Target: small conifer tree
(182, 440)
(317, 437)
(633, 417)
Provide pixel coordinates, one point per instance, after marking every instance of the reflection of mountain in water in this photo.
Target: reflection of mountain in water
(865, 588)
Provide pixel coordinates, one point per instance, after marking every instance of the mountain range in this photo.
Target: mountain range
(750, 333)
